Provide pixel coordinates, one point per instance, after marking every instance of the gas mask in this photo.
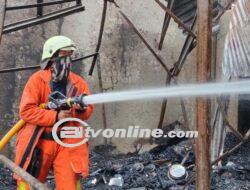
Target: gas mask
(61, 68)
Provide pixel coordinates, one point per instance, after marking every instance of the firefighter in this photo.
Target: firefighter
(36, 150)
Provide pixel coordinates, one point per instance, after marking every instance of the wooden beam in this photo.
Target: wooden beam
(204, 53)
(33, 182)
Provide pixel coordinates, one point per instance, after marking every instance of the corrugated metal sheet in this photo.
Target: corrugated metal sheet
(186, 10)
(236, 62)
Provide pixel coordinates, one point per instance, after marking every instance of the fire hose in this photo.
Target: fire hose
(56, 104)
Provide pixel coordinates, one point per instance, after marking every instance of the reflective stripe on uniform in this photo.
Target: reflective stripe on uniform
(22, 185)
(78, 185)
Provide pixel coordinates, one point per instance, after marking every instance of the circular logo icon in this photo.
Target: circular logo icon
(75, 133)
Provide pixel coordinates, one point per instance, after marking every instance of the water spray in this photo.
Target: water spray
(191, 90)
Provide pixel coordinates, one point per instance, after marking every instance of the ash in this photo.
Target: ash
(149, 170)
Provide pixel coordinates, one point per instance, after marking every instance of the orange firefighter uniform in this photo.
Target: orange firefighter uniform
(67, 163)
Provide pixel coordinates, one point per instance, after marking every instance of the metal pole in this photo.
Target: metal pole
(12, 8)
(33, 182)
(38, 20)
(176, 19)
(2, 17)
(166, 23)
(164, 105)
(104, 13)
(226, 120)
(224, 10)
(38, 66)
(39, 8)
(104, 117)
(204, 47)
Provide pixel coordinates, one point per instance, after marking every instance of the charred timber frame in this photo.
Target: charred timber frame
(204, 53)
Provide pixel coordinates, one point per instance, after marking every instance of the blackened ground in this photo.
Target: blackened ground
(6, 180)
(235, 172)
(149, 170)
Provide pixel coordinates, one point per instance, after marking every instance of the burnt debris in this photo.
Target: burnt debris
(150, 170)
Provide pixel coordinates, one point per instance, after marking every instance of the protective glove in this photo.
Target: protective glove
(79, 105)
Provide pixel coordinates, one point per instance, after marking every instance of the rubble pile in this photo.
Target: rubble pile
(151, 170)
(235, 171)
(6, 179)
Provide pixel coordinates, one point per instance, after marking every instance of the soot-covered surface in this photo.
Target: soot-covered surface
(149, 170)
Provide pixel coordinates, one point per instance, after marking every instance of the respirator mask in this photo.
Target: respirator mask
(60, 68)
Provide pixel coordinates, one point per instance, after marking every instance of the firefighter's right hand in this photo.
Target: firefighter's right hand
(63, 114)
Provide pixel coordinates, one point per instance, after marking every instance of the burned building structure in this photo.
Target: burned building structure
(124, 49)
